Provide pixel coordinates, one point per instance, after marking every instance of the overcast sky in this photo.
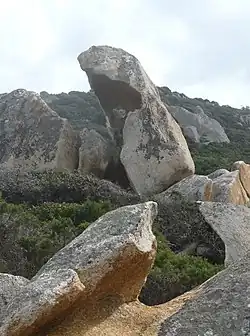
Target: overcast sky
(198, 47)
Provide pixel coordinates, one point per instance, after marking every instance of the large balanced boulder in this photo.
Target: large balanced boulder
(153, 149)
(33, 136)
(106, 265)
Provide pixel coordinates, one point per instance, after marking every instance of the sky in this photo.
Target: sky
(197, 47)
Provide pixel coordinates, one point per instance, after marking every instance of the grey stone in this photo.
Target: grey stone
(219, 307)
(208, 129)
(10, 286)
(95, 153)
(218, 173)
(192, 188)
(33, 136)
(40, 301)
(154, 151)
(123, 233)
(191, 133)
(232, 224)
(227, 188)
(112, 257)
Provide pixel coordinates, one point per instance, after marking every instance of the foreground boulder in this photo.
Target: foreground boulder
(218, 307)
(33, 136)
(106, 265)
(153, 149)
(10, 286)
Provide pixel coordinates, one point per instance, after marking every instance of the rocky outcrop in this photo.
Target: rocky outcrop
(227, 188)
(91, 286)
(231, 222)
(106, 265)
(218, 307)
(154, 152)
(33, 136)
(212, 230)
(10, 286)
(192, 188)
(95, 153)
(208, 129)
(191, 133)
(244, 171)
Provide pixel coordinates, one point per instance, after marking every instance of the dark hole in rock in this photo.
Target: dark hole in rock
(117, 98)
(114, 94)
(116, 173)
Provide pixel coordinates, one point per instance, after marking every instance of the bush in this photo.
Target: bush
(36, 233)
(173, 274)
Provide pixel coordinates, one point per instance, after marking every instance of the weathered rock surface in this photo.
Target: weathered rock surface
(208, 129)
(232, 224)
(190, 132)
(244, 171)
(218, 173)
(154, 151)
(10, 286)
(94, 153)
(33, 136)
(40, 301)
(120, 237)
(192, 188)
(108, 262)
(219, 307)
(227, 188)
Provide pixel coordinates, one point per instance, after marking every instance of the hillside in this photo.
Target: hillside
(84, 110)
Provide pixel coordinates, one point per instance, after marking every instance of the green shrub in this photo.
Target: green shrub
(38, 232)
(174, 274)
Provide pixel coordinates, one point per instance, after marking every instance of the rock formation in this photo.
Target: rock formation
(95, 153)
(190, 189)
(231, 222)
(33, 136)
(91, 286)
(106, 265)
(204, 129)
(220, 306)
(227, 188)
(10, 286)
(219, 186)
(244, 171)
(154, 152)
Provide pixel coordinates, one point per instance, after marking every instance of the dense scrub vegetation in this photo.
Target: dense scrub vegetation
(31, 234)
(208, 158)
